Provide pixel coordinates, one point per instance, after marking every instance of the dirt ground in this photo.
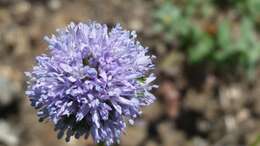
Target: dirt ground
(195, 107)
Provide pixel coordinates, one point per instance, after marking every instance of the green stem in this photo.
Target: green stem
(101, 144)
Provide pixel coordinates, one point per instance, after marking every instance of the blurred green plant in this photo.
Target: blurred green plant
(257, 141)
(168, 16)
(221, 42)
(250, 8)
(242, 49)
(175, 21)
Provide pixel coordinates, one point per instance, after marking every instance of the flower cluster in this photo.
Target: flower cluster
(92, 81)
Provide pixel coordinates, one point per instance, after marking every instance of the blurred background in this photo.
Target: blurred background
(208, 54)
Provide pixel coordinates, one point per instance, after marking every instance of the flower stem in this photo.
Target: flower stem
(101, 144)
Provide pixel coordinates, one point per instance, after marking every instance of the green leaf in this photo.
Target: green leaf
(201, 50)
(101, 144)
(141, 79)
(257, 141)
(223, 35)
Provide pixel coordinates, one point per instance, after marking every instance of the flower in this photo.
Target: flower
(92, 81)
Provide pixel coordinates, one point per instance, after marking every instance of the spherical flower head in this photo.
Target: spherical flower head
(92, 81)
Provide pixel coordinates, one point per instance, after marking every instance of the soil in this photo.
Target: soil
(195, 107)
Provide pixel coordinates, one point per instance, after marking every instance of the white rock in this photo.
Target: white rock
(8, 135)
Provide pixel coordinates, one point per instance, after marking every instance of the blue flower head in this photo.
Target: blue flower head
(92, 81)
